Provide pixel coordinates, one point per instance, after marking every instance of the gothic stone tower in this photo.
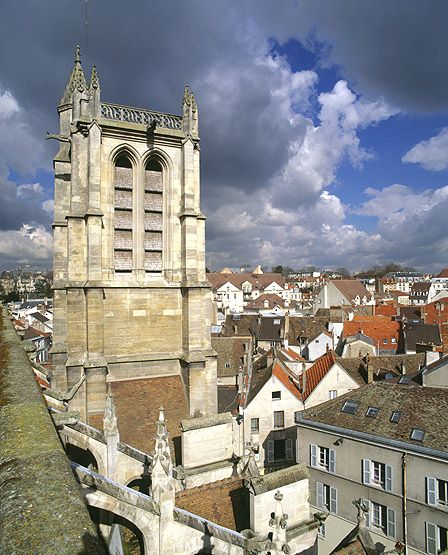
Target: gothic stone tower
(131, 298)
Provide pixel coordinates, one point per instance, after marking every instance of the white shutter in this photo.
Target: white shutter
(320, 495)
(332, 461)
(431, 491)
(431, 539)
(289, 454)
(366, 472)
(388, 478)
(368, 513)
(270, 450)
(333, 500)
(313, 449)
(391, 523)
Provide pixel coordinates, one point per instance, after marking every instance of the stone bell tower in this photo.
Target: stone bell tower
(131, 299)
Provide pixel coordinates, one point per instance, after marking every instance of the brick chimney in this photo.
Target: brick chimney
(369, 369)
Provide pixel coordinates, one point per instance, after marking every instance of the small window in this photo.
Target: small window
(276, 322)
(417, 434)
(228, 365)
(332, 394)
(385, 341)
(321, 530)
(350, 407)
(372, 412)
(393, 340)
(255, 425)
(395, 417)
(279, 419)
(276, 395)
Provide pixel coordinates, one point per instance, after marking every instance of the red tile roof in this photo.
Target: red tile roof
(443, 273)
(376, 327)
(385, 310)
(272, 298)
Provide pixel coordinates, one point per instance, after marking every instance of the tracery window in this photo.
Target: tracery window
(153, 217)
(123, 214)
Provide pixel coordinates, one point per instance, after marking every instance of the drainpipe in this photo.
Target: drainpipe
(405, 518)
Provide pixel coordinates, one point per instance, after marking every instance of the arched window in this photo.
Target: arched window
(123, 214)
(153, 206)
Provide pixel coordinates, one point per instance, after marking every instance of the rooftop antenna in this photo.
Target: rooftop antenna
(86, 29)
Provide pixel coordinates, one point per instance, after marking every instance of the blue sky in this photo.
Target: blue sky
(323, 125)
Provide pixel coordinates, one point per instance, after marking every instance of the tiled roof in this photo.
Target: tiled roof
(351, 288)
(316, 372)
(33, 333)
(228, 398)
(39, 317)
(410, 312)
(420, 286)
(272, 299)
(307, 327)
(425, 408)
(258, 281)
(385, 310)
(137, 404)
(381, 366)
(231, 352)
(376, 327)
(443, 273)
(225, 502)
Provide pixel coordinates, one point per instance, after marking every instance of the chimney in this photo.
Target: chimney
(235, 329)
(403, 368)
(369, 368)
(270, 357)
(286, 332)
(303, 378)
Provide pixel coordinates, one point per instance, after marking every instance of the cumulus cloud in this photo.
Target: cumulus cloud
(29, 244)
(431, 154)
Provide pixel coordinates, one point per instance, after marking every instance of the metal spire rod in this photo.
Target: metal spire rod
(86, 29)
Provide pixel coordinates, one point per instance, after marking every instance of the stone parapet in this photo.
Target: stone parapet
(41, 507)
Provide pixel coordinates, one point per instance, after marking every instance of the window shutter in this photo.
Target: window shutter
(366, 471)
(320, 495)
(388, 478)
(332, 461)
(431, 539)
(333, 500)
(313, 455)
(368, 513)
(289, 450)
(270, 450)
(431, 491)
(391, 523)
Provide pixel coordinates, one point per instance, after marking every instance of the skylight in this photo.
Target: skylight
(395, 417)
(417, 434)
(404, 380)
(350, 407)
(372, 412)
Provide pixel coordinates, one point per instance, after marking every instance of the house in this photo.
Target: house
(438, 283)
(404, 280)
(233, 291)
(318, 345)
(419, 337)
(385, 333)
(344, 292)
(387, 444)
(436, 373)
(436, 312)
(41, 341)
(267, 303)
(368, 368)
(358, 345)
(418, 295)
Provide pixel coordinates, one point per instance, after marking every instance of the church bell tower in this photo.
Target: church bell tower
(131, 299)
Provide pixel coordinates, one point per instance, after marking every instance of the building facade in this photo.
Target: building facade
(131, 299)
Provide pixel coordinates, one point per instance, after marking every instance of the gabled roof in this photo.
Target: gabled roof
(39, 317)
(316, 372)
(424, 408)
(272, 299)
(32, 333)
(381, 365)
(443, 273)
(420, 333)
(258, 281)
(230, 351)
(351, 288)
(360, 337)
(388, 310)
(376, 327)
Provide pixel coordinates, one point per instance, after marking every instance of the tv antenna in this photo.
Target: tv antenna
(86, 27)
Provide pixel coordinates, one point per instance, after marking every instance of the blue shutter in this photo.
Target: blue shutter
(388, 478)
(391, 523)
(320, 495)
(431, 491)
(366, 471)
(368, 513)
(333, 500)
(332, 461)
(431, 539)
(313, 449)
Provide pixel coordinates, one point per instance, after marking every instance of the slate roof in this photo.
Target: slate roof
(351, 288)
(425, 408)
(230, 351)
(228, 399)
(360, 337)
(39, 317)
(305, 328)
(420, 333)
(240, 325)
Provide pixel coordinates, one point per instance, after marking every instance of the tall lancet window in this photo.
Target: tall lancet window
(153, 204)
(123, 214)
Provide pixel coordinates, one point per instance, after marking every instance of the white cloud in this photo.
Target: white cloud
(431, 154)
(32, 245)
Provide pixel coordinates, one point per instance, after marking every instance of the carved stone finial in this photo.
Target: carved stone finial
(76, 81)
(186, 100)
(110, 423)
(94, 81)
(162, 467)
(362, 510)
(279, 522)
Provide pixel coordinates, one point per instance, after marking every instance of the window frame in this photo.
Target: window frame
(255, 420)
(282, 419)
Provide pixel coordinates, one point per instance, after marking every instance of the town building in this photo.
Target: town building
(345, 292)
(384, 443)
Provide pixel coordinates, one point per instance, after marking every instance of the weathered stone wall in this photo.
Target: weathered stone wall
(40, 505)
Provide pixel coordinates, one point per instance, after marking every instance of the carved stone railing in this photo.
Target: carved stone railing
(138, 115)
